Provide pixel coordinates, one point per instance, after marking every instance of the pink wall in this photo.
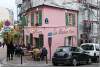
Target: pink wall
(56, 17)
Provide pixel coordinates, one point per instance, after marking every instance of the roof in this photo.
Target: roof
(66, 6)
(90, 43)
(69, 6)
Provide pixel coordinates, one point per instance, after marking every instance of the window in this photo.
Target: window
(75, 49)
(87, 47)
(31, 38)
(46, 20)
(87, 27)
(39, 41)
(97, 48)
(27, 20)
(73, 19)
(67, 20)
(39, 18)
(70, 19)
(32, 19)
(61, 49)
(24, 20)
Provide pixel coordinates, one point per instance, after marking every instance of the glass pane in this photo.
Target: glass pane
(23, 19)
(40, 18)
(73, 19)
(88, 47)
(66, 20)
(32, 19)
(31, 39)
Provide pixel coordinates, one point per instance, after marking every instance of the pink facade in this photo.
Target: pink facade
(55, 28)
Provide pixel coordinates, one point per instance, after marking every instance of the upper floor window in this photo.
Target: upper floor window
(39, 18)
(32, 19)
(70, 19)
(24, 20)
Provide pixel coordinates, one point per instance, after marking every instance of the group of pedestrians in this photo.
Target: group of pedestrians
(10, 50)
(16, 49)
(13, 49)
(40, 54)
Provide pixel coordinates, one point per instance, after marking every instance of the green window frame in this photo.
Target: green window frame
(31, 38)
(32, 19)
(39, 18)
(67, 21)
(73, 19)
(23, 21)
(70, 19)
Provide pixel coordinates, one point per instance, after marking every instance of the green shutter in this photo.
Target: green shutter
(23, 20)
(73, 19)
(31, 38)
(32, 19)
(40, 18)
(66, 20)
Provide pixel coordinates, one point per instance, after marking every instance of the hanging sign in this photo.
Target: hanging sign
(7, 23)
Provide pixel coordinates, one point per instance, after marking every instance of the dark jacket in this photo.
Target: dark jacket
(44, 51)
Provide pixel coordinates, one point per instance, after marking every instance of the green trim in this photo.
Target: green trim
(26, 20)
(32, 19)
(40, 18)
(73, 19)
(23, 20)
(67, 22)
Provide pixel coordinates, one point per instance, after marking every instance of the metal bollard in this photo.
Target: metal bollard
(21, 56)
(46, 59)
(21, 59)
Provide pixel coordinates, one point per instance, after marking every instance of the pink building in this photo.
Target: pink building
(51, 26)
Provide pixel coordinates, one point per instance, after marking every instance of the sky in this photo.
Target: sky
(11, 5)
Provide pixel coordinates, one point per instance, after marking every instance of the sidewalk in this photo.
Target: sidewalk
(27, 61)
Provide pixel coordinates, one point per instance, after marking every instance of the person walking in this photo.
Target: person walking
(36, 53)
(10, 51)
(44, 53)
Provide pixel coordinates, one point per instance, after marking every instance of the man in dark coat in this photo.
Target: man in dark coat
(10, 51)
(44, 53)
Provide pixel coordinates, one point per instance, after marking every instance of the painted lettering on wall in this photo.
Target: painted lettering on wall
(61, 31)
